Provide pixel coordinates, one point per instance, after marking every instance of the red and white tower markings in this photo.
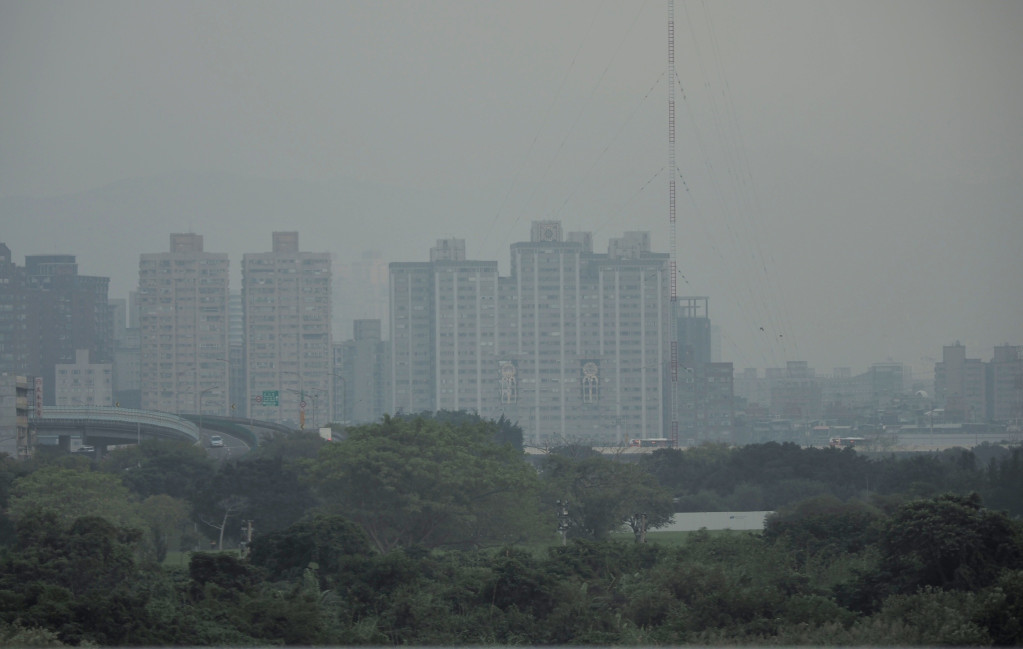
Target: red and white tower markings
(672, 254)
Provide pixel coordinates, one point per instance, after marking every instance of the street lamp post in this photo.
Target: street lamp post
(301, 407)
(316, 405)
(301, 397)
(177, 391)
(344, 397)
(203, 392)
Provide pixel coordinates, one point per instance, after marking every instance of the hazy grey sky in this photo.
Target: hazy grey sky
(852, 170)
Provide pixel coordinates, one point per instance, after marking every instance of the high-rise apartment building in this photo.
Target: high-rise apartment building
(286, 297)
(960, 385)
(443, 316)
(13, 309)
(361, 284)
(84, 383)
(795, 392)
(571, 345)
(16, 438)
(412, 333)
(240, 401)
(47, 312)
(706, 390)
(1005, 381)
(68, 312)
(714, 406)
(360, 386)
(694, 330)
(183, 321)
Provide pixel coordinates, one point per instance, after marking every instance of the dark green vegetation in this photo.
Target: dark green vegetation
(435, 531)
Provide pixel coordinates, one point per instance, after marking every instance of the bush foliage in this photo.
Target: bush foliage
(436, 531)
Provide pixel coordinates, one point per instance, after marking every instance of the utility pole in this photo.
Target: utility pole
(201, 394)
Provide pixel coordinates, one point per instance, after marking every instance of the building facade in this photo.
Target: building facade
(1005, 382)
(288, 348)
(16, 402)
(571, 345)
(796, 392)
(84, 383)
(960, 385)
(47, 312)
(183, 328)
(13, 315)
(361, 371)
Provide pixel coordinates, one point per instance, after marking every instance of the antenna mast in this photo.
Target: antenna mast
(672, 254)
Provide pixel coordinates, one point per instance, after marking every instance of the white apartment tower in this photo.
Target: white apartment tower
(288, 347)
(572, 345)
(183, 322)
(586, 337)
(443, 323)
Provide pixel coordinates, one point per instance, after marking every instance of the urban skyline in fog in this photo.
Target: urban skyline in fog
(849, 173)
(366, 278)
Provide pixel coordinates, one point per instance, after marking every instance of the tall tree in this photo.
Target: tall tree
(168, 520)
(267, 491)
(950, 542)
(72, 494)
(161, 467)
(419, 481)
(603, 495)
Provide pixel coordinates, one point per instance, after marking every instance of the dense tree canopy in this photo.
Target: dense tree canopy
(418, 481)
(165, 467)
(319, 542)
(602, 495)
(71, 494)
(383, 539)
(950, 542)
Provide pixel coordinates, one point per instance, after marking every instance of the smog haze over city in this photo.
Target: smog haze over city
(849, 173)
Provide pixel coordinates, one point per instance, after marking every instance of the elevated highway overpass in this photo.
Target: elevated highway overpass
(101, 426)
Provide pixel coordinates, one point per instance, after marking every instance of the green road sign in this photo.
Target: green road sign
(270, 397)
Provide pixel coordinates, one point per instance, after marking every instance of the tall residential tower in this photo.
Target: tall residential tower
(288, 350)
(572, 345)
(183, 319)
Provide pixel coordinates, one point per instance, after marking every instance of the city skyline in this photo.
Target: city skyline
(920, 371)
(573, 343)
(850, 172)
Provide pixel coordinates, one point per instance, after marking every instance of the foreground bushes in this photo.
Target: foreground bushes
(929, 572)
